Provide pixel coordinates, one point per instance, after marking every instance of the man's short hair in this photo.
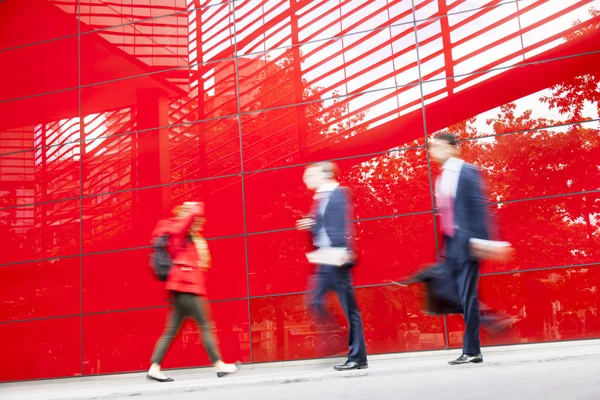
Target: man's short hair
(330, 169)
(446, 137)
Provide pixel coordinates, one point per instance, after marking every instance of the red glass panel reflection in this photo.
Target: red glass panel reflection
(503, 35)
(544, 25)
(136, 286)
(97, 14)
(64, 133)
(51, 109)
(126, 219)
(393, 183)
(152, 45)
(46, 230)
(328, 71)
(322, 129)
(559, 160)
(226, 278)
(277, 262)
(392, 249)
(45, 175)
(39, 68)
(550, 232)
(150, 101)
(178, 153)
(391, 317)
(204, 149)
(41, 349)
(559, 304)
(36, 21)
(40, 289)
(274, 24)
(120, 342)
(283, 187)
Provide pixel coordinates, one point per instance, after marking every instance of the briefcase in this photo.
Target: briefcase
(441, 290)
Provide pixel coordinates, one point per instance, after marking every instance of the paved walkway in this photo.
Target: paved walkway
(255, 379)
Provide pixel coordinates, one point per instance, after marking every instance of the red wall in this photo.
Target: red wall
(110, 115)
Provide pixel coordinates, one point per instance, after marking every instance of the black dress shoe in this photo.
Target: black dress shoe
(467, 358)
(162, 380)
(348, 365)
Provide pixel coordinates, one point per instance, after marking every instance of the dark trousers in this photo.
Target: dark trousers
(466, 275)
(188, 305)
(339, 280)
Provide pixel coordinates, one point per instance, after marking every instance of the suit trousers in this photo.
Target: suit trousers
(339, 279)
(466, 276)
(188, 305)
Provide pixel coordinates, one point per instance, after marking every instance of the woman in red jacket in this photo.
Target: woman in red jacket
(190, 256)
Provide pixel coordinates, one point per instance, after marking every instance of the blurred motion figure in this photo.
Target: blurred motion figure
(464, 223)
(187, 258)
(329, 225)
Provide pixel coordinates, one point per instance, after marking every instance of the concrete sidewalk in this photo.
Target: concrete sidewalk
(205, 380)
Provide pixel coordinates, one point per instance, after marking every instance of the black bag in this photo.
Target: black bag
(441, 291)
(160, 259)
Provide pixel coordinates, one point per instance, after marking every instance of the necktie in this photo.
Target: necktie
(447, 214)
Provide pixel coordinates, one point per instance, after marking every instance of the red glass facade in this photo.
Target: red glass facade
(113, 111)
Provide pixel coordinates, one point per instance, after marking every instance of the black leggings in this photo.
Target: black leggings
(188, 305)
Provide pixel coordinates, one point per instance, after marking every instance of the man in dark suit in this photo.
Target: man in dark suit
(330, 228)
(463, 221)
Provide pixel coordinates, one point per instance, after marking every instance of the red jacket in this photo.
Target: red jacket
(185, 275)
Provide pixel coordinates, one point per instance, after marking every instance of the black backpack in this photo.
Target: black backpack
(160, 259)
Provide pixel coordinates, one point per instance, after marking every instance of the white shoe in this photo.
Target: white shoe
(223, 369)
(158, 376)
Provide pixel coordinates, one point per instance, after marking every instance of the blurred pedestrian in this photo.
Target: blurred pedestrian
(182, 251)
(329, 224)
(464, 223)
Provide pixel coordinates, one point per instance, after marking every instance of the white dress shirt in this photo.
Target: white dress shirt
(447, 183)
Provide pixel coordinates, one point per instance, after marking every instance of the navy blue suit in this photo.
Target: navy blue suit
(470, 221)
(335, 221)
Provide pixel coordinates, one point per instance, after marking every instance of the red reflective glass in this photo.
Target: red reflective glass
(36, 22)
(40, 289)
(43, 230)
(31, 76)
(48, 174)
(44, 349)
(549, 232)
(112, 113)
(196, 151)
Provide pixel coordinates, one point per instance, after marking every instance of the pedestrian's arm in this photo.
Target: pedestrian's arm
(344, 227)
(478, 209)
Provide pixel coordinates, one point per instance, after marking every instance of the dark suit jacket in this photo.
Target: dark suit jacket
(471, 218)
(335, 219)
